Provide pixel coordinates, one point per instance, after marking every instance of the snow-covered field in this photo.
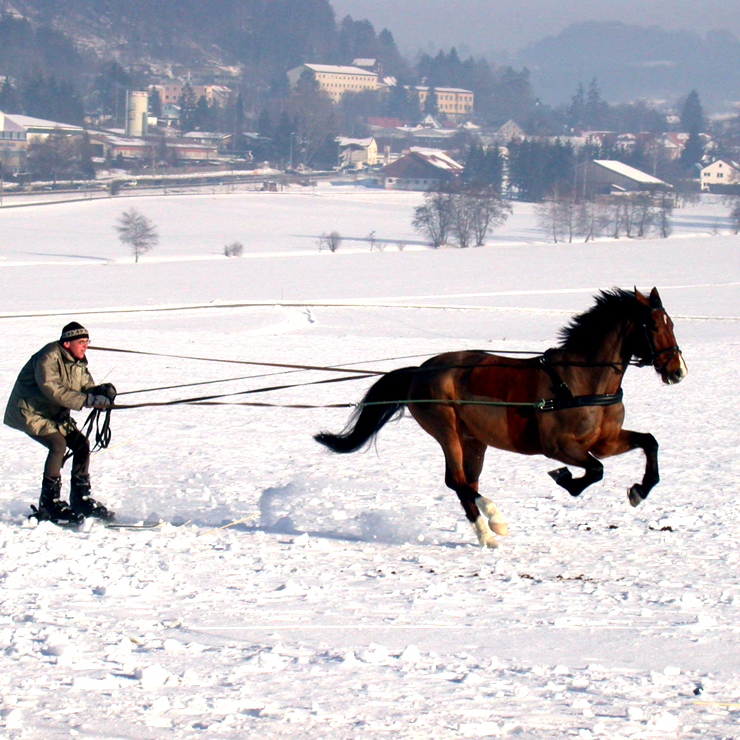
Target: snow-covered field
(355, 602)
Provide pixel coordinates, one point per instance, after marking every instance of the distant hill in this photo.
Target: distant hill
(633, 62)
(266, 33)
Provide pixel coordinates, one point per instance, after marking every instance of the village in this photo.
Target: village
(157, 145)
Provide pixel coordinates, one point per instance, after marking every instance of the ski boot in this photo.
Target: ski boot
(83, 504)
(51, 507)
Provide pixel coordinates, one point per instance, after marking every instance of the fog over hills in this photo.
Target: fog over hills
(629, 61)
(632, 62)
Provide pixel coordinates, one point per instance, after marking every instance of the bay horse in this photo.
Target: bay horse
(565, 404)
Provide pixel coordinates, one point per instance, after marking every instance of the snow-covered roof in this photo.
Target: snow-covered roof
(364, 62)
(626, 171)
(30, 122)
(438, 158)
(338, 69)
(363, 143)
(205, 135)
(117, 140)
(443, 89)
(8, 124)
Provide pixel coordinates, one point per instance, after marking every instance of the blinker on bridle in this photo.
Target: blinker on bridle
(654, 355)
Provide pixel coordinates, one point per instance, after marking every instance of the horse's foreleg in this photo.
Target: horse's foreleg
(582, 459)
(628, 440)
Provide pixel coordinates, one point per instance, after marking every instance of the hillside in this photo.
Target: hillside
(265, 33)
(633, 62)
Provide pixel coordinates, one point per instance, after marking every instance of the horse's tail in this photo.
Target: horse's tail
(386, 398)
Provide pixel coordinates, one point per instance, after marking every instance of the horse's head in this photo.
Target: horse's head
(656, 343)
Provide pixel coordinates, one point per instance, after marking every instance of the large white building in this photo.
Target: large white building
(335, 80)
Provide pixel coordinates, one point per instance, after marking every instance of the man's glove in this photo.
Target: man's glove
(104, 389)
(97, 402)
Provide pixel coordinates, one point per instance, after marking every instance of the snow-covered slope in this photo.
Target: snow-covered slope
(355, 603)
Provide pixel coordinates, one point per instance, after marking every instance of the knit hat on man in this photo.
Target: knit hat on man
(73, 331)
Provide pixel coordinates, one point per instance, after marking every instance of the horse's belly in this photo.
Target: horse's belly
(508, 429)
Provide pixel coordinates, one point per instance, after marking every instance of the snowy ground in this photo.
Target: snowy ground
(355, 603)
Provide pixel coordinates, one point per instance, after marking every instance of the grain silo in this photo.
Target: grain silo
(137, 112)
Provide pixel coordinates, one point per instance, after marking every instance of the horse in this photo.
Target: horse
(565, 404)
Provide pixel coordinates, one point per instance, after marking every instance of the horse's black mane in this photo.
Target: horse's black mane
(585, 333)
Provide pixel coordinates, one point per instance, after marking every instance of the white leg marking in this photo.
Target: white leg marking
(483, 533)
(496, 519)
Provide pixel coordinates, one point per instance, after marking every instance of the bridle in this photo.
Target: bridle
(653, 357)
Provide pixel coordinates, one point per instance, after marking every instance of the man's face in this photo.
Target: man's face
(76, 347)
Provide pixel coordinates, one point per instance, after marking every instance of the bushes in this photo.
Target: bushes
(235, 249)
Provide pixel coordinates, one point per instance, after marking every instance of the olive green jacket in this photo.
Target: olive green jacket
(50, 384)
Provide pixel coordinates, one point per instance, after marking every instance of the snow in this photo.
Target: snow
(356, 603)
(624, 169)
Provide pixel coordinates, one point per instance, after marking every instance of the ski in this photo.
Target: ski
(134, 525)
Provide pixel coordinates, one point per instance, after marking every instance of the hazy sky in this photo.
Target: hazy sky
(482, 26)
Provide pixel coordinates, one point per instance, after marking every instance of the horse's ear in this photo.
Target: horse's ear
(641, 298)
(655, 301)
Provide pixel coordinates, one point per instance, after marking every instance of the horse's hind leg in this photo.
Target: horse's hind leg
(456, 479)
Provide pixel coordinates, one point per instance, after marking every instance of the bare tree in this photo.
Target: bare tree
(588, 220)
(665, 211)
(463, 219)
(735, 216)
(332, 241)
(57, 155)
(435, 217)
(559, 217)
(137, 231)
(490, 210)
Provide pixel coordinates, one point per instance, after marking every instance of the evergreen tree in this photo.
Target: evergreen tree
(431, 106)
(188, 104)
(111, 86)
(692, 114)
(577, 108)
(10, 100)
(155, 103)
(203, 115)
(693, 151)
(595, 109)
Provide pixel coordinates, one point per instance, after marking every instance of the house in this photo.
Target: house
(511, 130)
(335, 80)
(13, 144)
(171, 91)
(722, 176)
(38, 130)
(220, 140)
(112, 146)
(421, 169)
(604, 176)
(356, 153)
(454, 102)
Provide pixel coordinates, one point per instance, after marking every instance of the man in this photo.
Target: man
(52, 382)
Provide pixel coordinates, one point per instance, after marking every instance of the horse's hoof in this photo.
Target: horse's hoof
(636, 495)
(500, 528)
(560, 475)
(483, 533)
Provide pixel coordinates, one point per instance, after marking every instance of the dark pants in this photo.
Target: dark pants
(57, 445)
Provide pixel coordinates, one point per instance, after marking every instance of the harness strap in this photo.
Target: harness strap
(564, 398)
